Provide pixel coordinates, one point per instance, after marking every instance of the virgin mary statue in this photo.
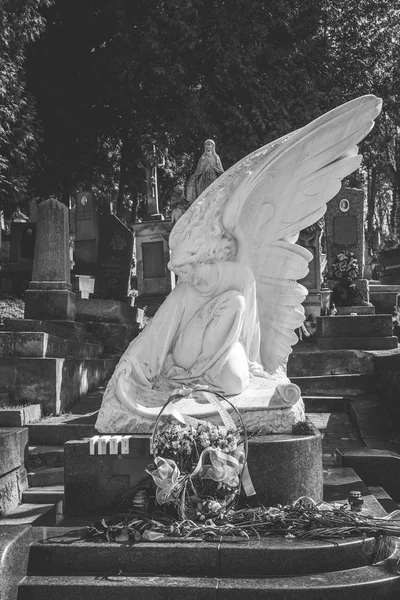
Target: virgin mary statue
(208, 169)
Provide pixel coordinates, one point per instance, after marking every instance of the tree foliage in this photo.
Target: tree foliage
(112, 79)
(20, 24)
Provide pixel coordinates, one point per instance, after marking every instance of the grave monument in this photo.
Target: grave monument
(154, 280)
(229, 323)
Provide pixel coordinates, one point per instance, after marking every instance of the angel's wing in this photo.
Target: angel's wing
(266, 199)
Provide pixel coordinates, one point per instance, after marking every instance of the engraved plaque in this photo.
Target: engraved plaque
(345, 230)
(153, 259)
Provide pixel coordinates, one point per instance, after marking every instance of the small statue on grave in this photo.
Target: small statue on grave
(229, 322)
(178, 204)
(208, 169)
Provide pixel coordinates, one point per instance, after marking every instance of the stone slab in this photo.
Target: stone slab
(358, 326)
(96, 483)
(342, 385)
(18, 417)
(285, 467)
(70, 330)
(39, 344)
(63, 550)
(374, 467)
(117, 587)
(370, 582)
(359, 343)
(12, 486)
(50, 304)
(303, 364)
(13, 448)
(15, 542)
(55, 382)
(360, 310)
(384, 301)
(110, 311)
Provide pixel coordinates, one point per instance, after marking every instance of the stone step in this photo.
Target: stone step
(45, 477)
(354, 326)
(56, 434)
(326, 404)
(49, 494)
(70, 330)
(384, 499)
(38, 344)
(44, 456)
(61, 551)
(370, 582)
(330, 362)
(358, 343)
(375, 467)
(340, 385)
(47, 514)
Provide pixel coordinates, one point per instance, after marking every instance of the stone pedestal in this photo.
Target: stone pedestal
(152, 257)
(285, 467)
(96, 483)
(53, 305)
(50, 295)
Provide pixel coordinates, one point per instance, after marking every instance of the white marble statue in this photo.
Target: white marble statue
(229, 323)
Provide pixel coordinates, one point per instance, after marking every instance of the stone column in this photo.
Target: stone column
(49, 296)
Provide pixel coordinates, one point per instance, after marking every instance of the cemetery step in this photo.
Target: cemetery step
(42, 345)
(44, 456)
(48, 494)
(45, 477)
(372, 582)
(38, 514)
(340, 385)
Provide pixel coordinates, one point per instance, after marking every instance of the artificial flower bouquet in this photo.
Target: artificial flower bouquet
(346, 265)
(198, 464)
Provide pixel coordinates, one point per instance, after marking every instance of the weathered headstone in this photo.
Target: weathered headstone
(152, 257)
(86, 233)
(114, 261)
(49, 296)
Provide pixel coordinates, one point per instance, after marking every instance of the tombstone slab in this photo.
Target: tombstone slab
(344, 227)
(152, 257)
(49, 296)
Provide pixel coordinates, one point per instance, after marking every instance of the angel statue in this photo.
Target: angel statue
(208, 169)
(229, 323)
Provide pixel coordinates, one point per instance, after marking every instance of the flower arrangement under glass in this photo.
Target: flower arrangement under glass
(198, 465)
(345, 266)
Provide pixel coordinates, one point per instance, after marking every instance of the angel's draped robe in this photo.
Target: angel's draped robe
(198, 336)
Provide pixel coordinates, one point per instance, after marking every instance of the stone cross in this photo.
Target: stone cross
(49, 296)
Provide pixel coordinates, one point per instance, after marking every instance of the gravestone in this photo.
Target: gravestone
(152, 257)
(344, 227)
(86, 234)
(49, 296)
(114, 260)
(18, 248)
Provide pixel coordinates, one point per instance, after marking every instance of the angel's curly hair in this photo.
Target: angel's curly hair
(202, 239)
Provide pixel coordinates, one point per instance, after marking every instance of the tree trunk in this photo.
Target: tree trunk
(371, 204)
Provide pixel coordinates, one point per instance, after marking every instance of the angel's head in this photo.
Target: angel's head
(185, 261)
